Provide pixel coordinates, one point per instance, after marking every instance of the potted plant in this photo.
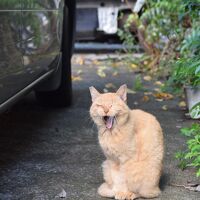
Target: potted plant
(186, 75)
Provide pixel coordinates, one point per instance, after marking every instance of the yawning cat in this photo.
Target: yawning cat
(132, 142)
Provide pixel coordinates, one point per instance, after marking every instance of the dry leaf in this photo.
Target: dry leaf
(110, 85)
(158, 83)
(76, 78)
(79, 72)
(95, 62)
(100, 72)
(145, 62)
(182, 104)
(80, 60)
(159, 100)
(129, 91)
(165, 107)
(145, 98)
(163, 95)
(115, 64)
(147, 78)
(148, 93)
(157, 89)
(115, 73)
(133, 66)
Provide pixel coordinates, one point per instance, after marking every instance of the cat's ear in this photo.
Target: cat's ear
(122, 92)
(94, 93)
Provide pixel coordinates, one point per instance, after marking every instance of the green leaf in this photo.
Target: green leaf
(195, 111)
(186, 131)
(198, 173)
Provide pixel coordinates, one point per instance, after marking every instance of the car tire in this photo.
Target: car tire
(62, 96)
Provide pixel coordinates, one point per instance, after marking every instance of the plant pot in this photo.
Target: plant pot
(192, 98)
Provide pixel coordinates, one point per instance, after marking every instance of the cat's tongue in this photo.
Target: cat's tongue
(109, 122)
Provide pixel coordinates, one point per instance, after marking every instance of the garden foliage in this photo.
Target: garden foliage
(169, 33)
(191, 156)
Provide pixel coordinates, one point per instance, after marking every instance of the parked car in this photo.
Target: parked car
(99, 19)
(36, 43)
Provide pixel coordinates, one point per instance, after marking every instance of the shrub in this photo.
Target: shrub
(191, 156)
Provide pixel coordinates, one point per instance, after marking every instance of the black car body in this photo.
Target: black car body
(36, 40)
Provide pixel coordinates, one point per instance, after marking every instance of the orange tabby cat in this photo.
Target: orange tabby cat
(132, 142)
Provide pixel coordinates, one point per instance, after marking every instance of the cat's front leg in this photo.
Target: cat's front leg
(106, 189)
(120, 187)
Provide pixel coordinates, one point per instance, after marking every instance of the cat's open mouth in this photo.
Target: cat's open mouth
(109, 121)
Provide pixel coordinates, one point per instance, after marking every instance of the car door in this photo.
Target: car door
(41, 34)
(11, 66)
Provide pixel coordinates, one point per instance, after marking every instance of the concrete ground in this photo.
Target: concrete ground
(43, 150)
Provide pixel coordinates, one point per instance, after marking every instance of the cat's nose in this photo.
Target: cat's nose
(105, 109)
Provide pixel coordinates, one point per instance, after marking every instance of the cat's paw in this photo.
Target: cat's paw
(125, 196)
(105, 191)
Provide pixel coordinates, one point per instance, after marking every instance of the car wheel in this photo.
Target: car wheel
(62, 96)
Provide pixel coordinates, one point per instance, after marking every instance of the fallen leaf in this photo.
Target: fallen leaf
(95, 62)
(163, 95)
(115, 73)
(76, 78)
(164, 107)
(147, 78)
(80, 60)
(148, 93)
(182, 104)
(110, 85)
(130, 91)
(157, 89)
(160, 100)
(133, 66)
(100, 72)
(62, 194)
(159, 83)
(79, 72)
(145, 98)
(145, 62)
(115, 64)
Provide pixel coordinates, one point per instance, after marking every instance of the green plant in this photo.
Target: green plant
(195, 111)
(138, 85)
(186, 71)
(191, 44)
(125, 34)
(191, 156)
